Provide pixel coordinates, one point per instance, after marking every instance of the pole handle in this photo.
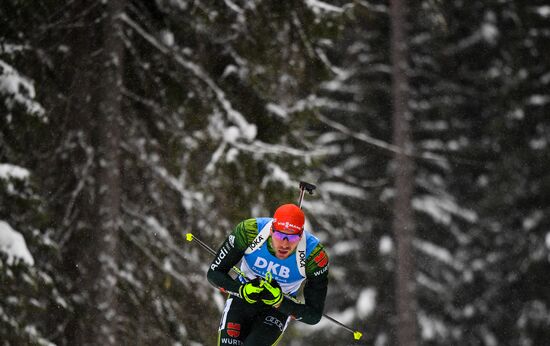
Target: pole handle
(307, 186)
(304, 186)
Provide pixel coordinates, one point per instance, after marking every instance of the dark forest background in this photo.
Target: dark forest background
(137, 121)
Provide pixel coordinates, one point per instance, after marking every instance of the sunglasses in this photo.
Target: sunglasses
(292, 238)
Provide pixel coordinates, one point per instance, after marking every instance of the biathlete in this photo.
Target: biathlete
(277, 255)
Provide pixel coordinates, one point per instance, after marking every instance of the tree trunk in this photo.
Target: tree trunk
(103, 293)
(403, 221)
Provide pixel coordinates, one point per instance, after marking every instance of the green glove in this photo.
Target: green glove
(252, 290)
(272, 294)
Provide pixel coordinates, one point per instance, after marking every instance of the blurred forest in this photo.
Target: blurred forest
(125, 124)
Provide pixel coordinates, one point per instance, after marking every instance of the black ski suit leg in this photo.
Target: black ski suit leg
(268, 328)
(235, 323)
(243, 324)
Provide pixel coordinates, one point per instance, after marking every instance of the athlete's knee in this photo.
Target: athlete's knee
(276, 324)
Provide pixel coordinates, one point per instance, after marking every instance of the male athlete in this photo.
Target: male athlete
(278, 255)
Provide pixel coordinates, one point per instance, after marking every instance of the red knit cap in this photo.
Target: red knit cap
(289, 218)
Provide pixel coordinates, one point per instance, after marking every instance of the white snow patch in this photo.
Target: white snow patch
(234, 6)
(489, 32)
(548, 240)
(229, 69)
(386, 245)
(231, 155)
(441, 209)
(231, 134)
(317, 6)
(158, 230)
(13, 244)
(516, 114)
(538, 100)
(538, 143)
(431, 327)
(381, 340)
(424, 281)
(543, 11)
(488, 337)
(219, 301)
(128, 276)
(366, 302)
(167, 37)
(63, 48)
(277, 110)
(437, 252)
(249, 131)
(18, 89)
(9, 48)
(343, 247)
(194, 343)
(432, 144)
(329, 137)
(343, 189)
(8, 171)
(277, 174)
(532, 220)
(345, 316)
(31, 331)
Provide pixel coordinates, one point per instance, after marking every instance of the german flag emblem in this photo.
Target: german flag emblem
(233, 329)
(321, 259)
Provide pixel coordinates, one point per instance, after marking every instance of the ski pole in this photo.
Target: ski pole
(303, 188)
(190, 237)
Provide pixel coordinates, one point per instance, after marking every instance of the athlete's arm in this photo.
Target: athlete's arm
(228, 255)
(315, 290)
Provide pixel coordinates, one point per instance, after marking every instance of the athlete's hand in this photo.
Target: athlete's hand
(251, 291)
(272, 294)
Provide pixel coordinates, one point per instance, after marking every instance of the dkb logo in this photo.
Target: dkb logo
(272, 267)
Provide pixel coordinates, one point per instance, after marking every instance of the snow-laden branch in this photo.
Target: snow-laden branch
(19, 90)
(343, 189)
(248, 131)
(340, 173)
(234, 7)
(262, 148)
(318, 6)
(216, 157)
(438, 253)
(380, 143)
(10, 48)
(442, 208)
(13, 245)
(157, 262)
(189, 198)
(311, 51)
(150, 224)
(276, 174)
(9, 171)
(360, 136)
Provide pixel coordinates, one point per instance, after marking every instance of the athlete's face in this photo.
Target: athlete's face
(283, 244)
